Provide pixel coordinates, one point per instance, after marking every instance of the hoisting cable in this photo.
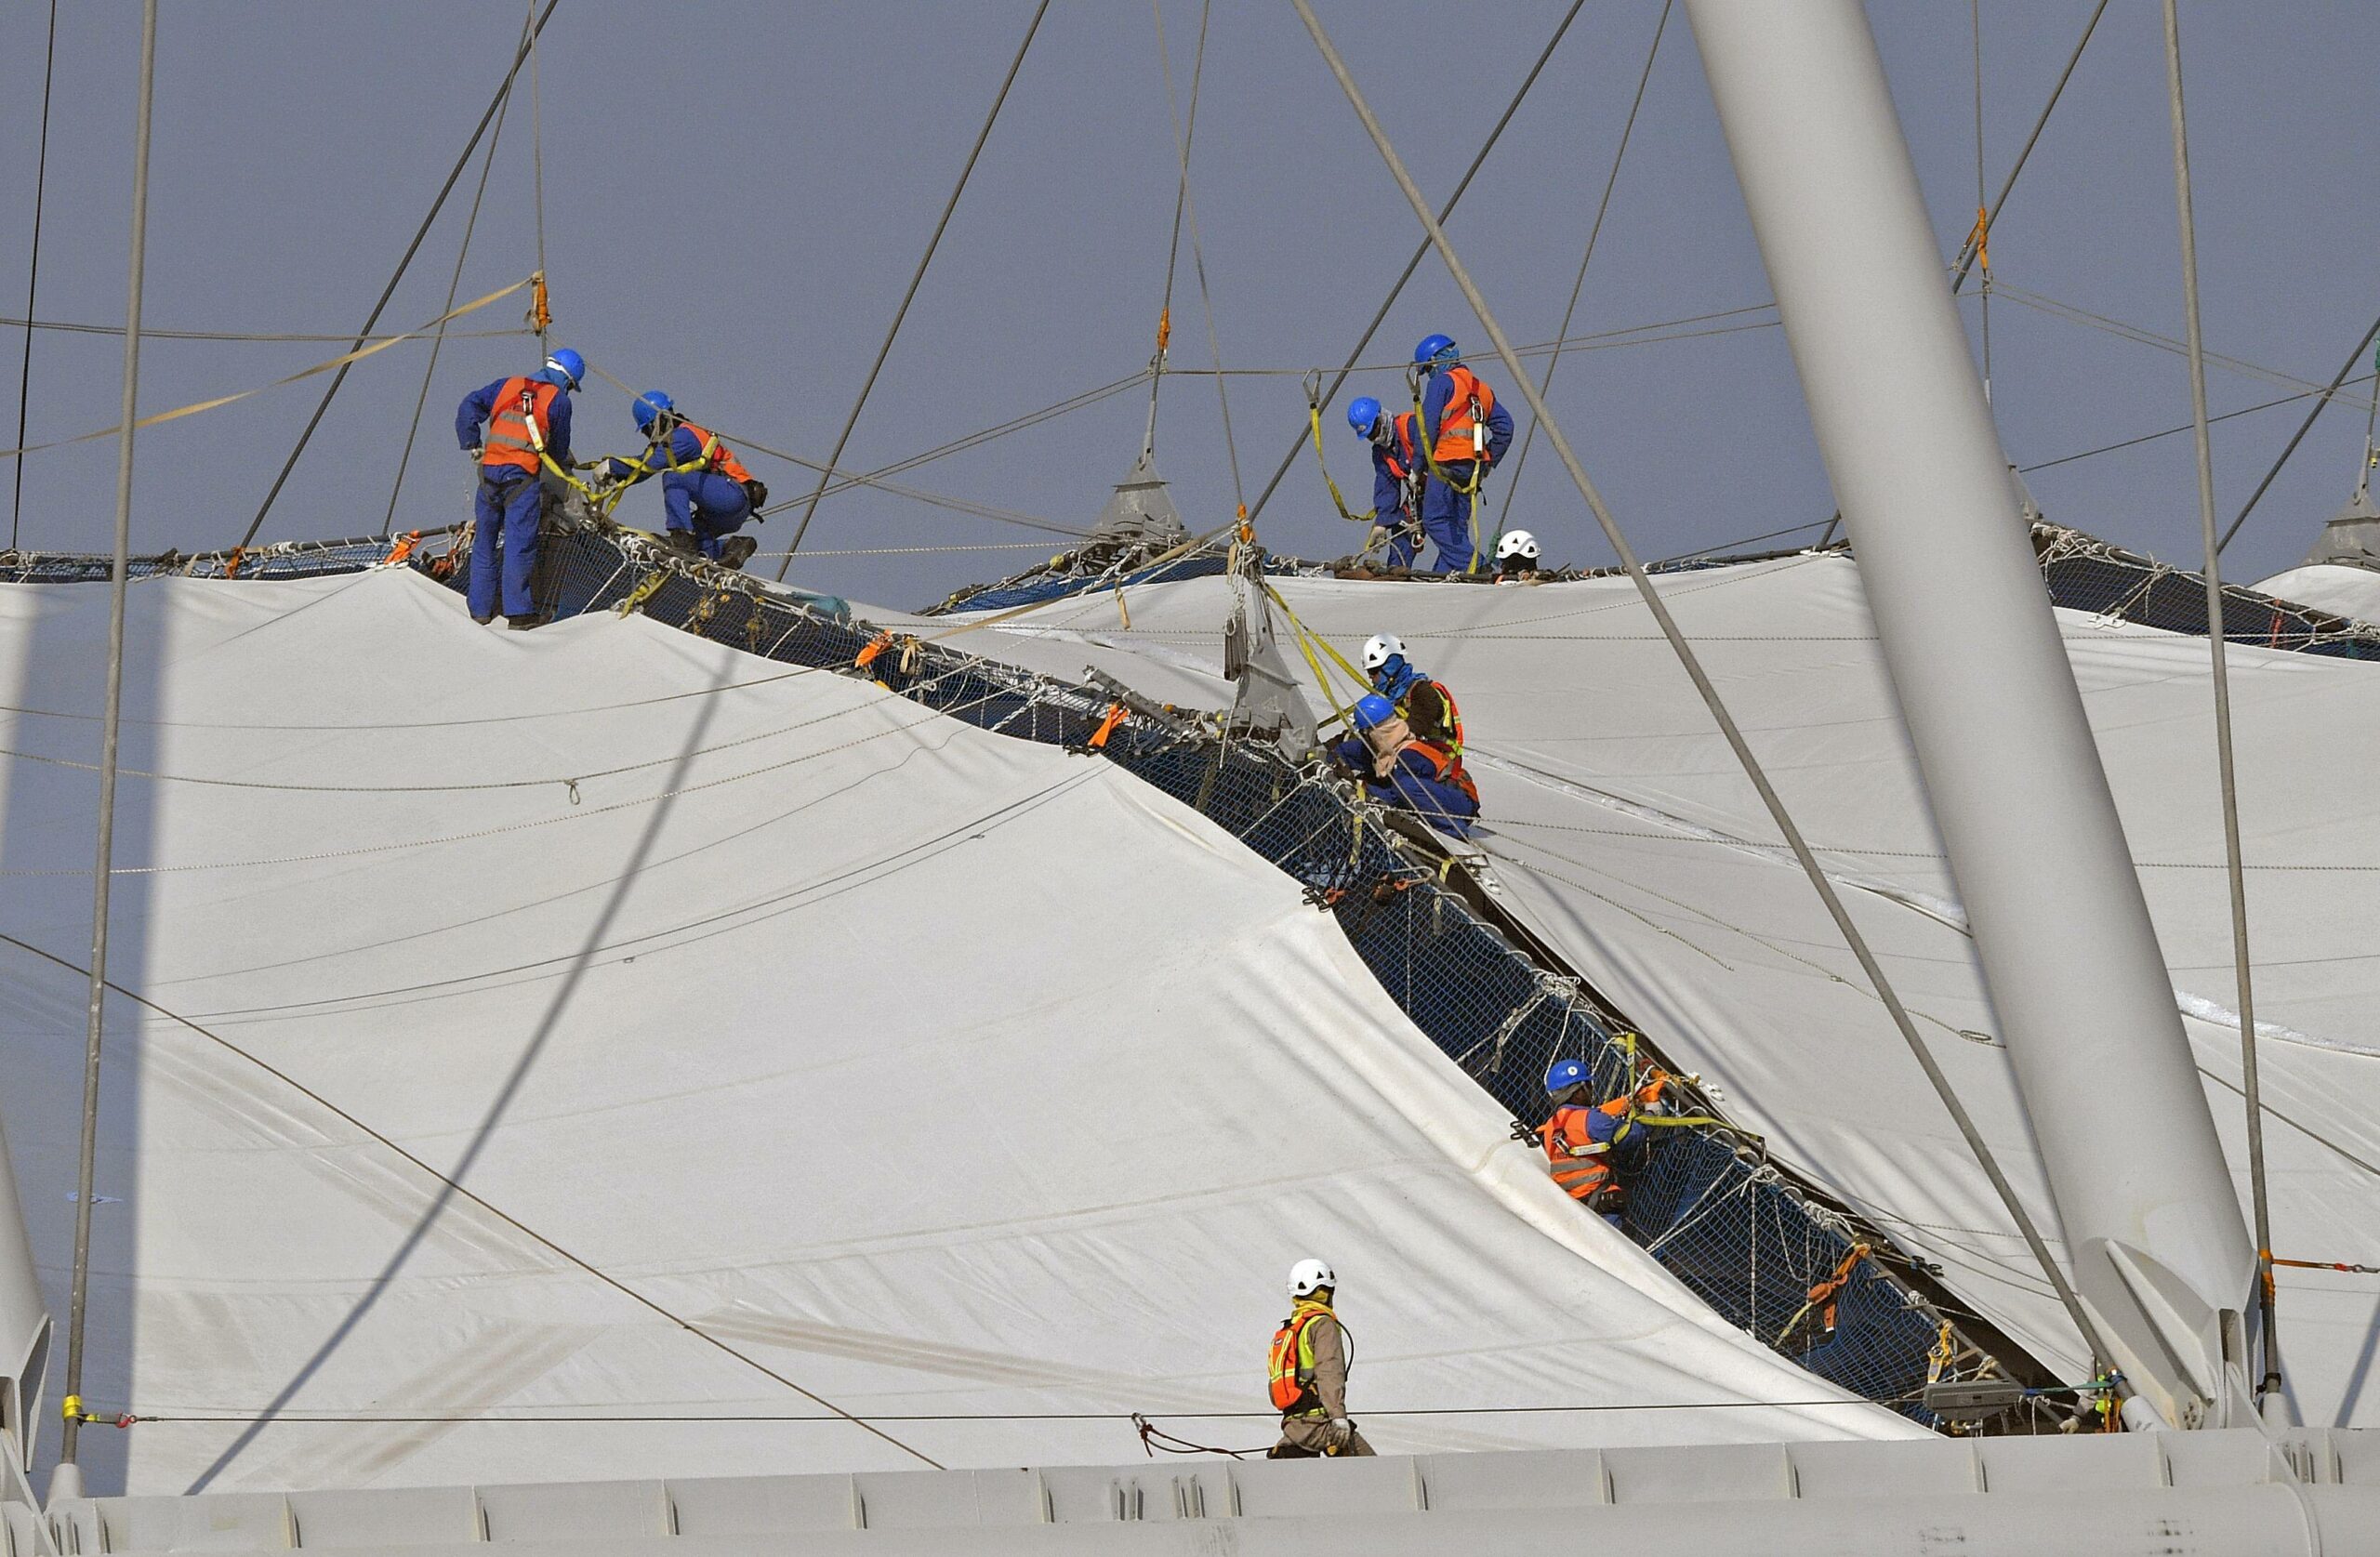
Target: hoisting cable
(2218, 648)
(1172, 247)
(540, 314)
(32, 271)
(1967, 253)
(2337, 380)
(917, 279)
(1594, 231)
(1692, 664)
(79, 1287)
(1190, 208)
(453, 284)
(453, 175)
(1421, 252)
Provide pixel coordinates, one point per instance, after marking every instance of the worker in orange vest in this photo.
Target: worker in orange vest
(1398, 769)
(1590, 1143)
(528, 433)
(1307, 1369)
(706, 491)
(1396, 478)
(1464, 432)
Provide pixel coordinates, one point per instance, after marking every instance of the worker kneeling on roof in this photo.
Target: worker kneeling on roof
(1396, 478)
(706, 491)
(528, 433)
(1308, 1369)
(1516, 559)
(1464, 431)
(1596, 1146)
(1399, 768)
(1422, 702)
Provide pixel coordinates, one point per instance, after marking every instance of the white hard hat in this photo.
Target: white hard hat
(1309, 1276)
(1377, 651)
(1516, 543)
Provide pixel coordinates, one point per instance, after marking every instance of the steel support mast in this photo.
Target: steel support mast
(2161, 1255)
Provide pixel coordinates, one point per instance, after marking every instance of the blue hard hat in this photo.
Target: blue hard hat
(1372, 711)
(1432, 348)
(1363, 414)
(650, 407)
(570, 364)
(1563, 1074)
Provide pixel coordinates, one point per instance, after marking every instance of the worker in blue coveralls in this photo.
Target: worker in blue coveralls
(1396, 478)
(706, 491)
(528, 428)
(1398, 768)
(1465, 432)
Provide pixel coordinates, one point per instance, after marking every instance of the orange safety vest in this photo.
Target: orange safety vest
(1454, 715)
(1401, 453)
(1468, 406)
(1581, 1161)
(1290, 1366)
(1450, 766)
(717, 456)
(516, 432)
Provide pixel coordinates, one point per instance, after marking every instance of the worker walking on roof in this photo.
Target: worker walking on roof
(1423, 704)
(1464, 432)
(706, 491)
(1591, 1144)
(1398, 769)
(1396, 478)
(1308, 1371)
(528, 433)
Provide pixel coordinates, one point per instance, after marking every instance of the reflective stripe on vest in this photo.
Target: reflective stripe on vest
(516, 432)
(1581, 1163)
(1454, 715)
(715, 456)
(1469, 402)
(1290, 1366)
(1449, 768)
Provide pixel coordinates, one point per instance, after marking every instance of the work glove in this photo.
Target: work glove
(476, 454)
(1376, 537)
(1336, 1437)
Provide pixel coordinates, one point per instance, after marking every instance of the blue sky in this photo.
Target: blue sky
(735, 195)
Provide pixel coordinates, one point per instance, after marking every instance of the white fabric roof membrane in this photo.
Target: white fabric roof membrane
(1623, 833)
(2335, 587)
(946, 1077)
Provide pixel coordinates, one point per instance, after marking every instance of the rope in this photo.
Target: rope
(1422, 250)
(2219, 653)
(2337, 381)
(453, 284)
(917, 279)
(32, 271)
(1578, 284)
(502, 92)
(1691, 663)
(1155, 1440)
(1174, 242)
(1322, 461)
(2074, 314)
(341, 363)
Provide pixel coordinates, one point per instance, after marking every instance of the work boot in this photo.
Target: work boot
(484, 621)
(737, 551)
(684, 543)
(533, 619)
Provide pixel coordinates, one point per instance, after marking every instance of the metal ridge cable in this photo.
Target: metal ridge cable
(1189, 206)
(917, 279)
(1692, 664)
(32, 271)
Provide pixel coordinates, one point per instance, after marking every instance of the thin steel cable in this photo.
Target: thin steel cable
(2218, 648)
(537, 169)
(453, 177)
(1190, 208)
(1173, 244)
(1579, 283)
(2173, 431)
(454, 285)
(1982, 233)
(917, 279)
(1421, 252)
(32, 271)
(153, 335)
(462, 1193)
(2337, 380)
(79, 1292)
(1692, 664)
(1967, 251)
